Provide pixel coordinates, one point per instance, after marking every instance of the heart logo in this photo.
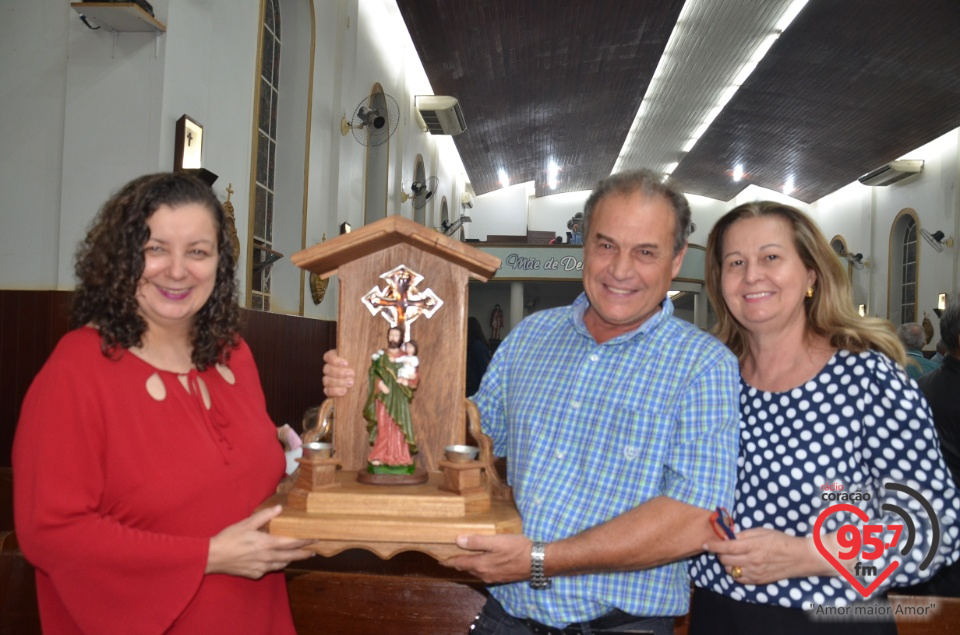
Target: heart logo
(864, 591)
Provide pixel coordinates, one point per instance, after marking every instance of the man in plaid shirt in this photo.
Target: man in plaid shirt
(620, 427)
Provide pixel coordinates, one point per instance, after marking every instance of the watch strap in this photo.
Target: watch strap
(537, 579)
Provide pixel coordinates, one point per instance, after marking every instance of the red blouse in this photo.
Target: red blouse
(122, 474)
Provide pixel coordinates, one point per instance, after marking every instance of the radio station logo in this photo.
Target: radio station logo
(866, 543)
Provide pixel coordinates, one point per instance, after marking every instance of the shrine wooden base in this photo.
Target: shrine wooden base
(388, 519)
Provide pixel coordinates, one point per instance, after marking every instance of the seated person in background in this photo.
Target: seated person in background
(144, 444)
(941, 352)
(823, 400)
(941, 387)
(913, 339)
(478, 355)
(619, 424)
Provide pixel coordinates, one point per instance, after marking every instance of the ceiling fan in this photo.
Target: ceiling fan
(373, 121)
(421, 192)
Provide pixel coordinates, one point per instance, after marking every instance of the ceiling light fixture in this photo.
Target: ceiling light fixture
(758, 54)
(792, 11)
(738, 172)
(553, 171)
(788, 186)
(504, 179)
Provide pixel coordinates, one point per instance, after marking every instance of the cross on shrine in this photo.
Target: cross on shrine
(189, 137)
(401, 302)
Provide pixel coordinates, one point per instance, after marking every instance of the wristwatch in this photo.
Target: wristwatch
(537, 579)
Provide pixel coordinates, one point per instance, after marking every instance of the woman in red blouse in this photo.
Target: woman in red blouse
(144, 445)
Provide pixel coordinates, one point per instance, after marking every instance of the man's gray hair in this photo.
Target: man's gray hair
(650, 184)
(912, 335)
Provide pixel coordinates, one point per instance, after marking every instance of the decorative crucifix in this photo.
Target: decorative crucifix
(401, 302)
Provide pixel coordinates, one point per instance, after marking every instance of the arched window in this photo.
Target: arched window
(266, 154)
(902, 307)
(839, 245)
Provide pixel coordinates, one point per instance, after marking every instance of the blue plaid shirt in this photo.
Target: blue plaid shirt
(592, 430)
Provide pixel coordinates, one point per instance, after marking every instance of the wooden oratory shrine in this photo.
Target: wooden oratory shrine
(398, 280)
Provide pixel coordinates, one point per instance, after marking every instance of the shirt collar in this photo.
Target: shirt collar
(579, 308)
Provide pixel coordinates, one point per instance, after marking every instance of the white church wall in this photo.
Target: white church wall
(359, 44)
(292, 136)
(33, 64)
(865, 215)
(500, 212)
(704, 212)
(551, 213)
(114, 97)
(333, 60)
(846, 213)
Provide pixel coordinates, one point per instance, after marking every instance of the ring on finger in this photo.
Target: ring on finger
(736, 572)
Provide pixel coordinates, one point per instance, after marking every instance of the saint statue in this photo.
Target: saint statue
(393, 378)
(496, 322)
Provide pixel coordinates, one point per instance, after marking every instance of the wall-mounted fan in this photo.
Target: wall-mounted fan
(421, 192)
(936, 239)
(374, 120)
(449, 229)
(857, 260)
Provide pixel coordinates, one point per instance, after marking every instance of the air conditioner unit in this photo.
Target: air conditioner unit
(892, 172)
(440, 115)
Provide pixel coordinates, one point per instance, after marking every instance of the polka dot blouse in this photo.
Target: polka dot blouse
(838, 438)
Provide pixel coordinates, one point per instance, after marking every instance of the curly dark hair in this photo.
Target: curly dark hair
(110, 263)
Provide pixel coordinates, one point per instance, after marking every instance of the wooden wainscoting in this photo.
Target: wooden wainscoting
(288, 350)
(31, 324)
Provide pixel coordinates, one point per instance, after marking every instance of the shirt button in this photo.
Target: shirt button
(560, 455)
(594, 358)
(574, 404)
(539, 500)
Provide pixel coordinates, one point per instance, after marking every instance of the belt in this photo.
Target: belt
(595, 626)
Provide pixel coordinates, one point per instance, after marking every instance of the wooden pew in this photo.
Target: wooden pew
(362, 604)
(18, 591)
(945, 620)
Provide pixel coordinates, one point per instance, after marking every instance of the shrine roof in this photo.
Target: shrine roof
(325, 258)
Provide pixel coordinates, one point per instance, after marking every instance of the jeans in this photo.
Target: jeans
(494, 620)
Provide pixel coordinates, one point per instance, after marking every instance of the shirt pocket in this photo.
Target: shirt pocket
(631, 448)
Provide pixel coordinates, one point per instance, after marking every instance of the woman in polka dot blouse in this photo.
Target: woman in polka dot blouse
(828, 416)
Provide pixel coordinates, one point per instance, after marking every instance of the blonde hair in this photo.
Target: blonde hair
(830, 312)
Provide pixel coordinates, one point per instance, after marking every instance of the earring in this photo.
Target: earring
(809, 292)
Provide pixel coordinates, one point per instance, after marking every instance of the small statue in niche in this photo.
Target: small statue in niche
(927, 328)
(496, 322)
(229, 219)
(393, 378)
